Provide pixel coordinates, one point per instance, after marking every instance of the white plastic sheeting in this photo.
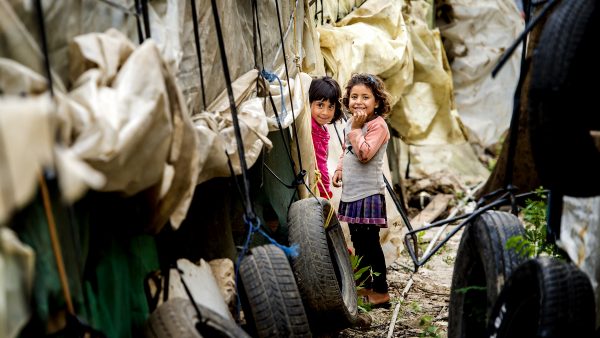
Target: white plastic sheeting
(25, 148)
(475, 39)
(378, 38)
(580, 238)
(17, 262)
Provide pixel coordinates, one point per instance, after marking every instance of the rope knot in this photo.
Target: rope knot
(253, 223)
(269, 76)
(299, 179)
(272, 77)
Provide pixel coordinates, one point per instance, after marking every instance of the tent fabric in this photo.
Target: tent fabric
(134, 124)
(124, 127)
(131, 122)
(580, 237)
(475, 38)
(377, 38)
(25, 149)
(17, 261)
(105, 256)
(103, 139)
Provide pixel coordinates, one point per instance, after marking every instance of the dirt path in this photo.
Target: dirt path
(424, 310)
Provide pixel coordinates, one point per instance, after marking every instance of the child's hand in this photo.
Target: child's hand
(337, 179)
(359, 117)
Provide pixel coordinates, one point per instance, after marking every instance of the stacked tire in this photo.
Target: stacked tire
(323, 269)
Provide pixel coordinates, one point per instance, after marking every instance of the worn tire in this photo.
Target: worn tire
(482, 260)
(271, 300)
(323, 269)
(562, 97)
(177, 318)
(546, 298)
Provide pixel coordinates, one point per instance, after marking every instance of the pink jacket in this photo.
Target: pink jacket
(320, 137)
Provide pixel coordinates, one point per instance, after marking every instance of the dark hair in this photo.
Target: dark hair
(326, 89)
(373, 82)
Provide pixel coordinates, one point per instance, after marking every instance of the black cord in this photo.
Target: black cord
(235, 180)
(146, 18)
(198, 50)
(285, 140)
(288, 79)
(236, 124)
(138, 23)
(40, 17)
(257, 22)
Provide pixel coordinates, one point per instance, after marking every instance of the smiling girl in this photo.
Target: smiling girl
(362, 203)
(324, 95)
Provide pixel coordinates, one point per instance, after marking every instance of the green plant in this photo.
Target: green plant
(429, 328)
(359, 280)
(449, 259)
(535, 240)
(470, 288)
(415, 307)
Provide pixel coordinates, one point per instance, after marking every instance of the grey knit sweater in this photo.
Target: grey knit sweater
(363, 179)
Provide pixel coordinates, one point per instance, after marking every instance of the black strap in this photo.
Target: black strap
(40, 17)
(198, 50)
(288, 80)
(138, 23)
(236, 124)
(146, 18)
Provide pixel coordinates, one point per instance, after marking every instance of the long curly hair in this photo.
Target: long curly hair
(373, 82)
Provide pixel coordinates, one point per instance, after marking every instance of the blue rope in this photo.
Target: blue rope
(272, 77)
(290, 251)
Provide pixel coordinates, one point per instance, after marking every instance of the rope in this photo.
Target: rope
(269, 76)
(198, 50)
(233, 108)
(328, 220)
(40, 17)
(257, 23)
(146, 18)
(138, 11)
(297, 59)
(257, 32)
(62, 274)
(288, 79)
(253, 223)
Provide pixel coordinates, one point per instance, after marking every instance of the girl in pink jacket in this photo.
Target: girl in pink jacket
(324, 95)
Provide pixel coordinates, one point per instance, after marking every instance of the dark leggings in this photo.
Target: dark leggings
(365, 238)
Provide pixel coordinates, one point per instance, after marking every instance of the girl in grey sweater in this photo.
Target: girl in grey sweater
(362, 204)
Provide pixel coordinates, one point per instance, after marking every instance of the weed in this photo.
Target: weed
(470, 288)
(535, 242)
(415, 307)
(360, 281)
(449, 259)
(429, 328)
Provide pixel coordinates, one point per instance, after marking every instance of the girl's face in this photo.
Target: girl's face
(322, 111)
(362, 98)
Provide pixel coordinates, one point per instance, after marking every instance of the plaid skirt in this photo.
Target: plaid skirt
(369, 210)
